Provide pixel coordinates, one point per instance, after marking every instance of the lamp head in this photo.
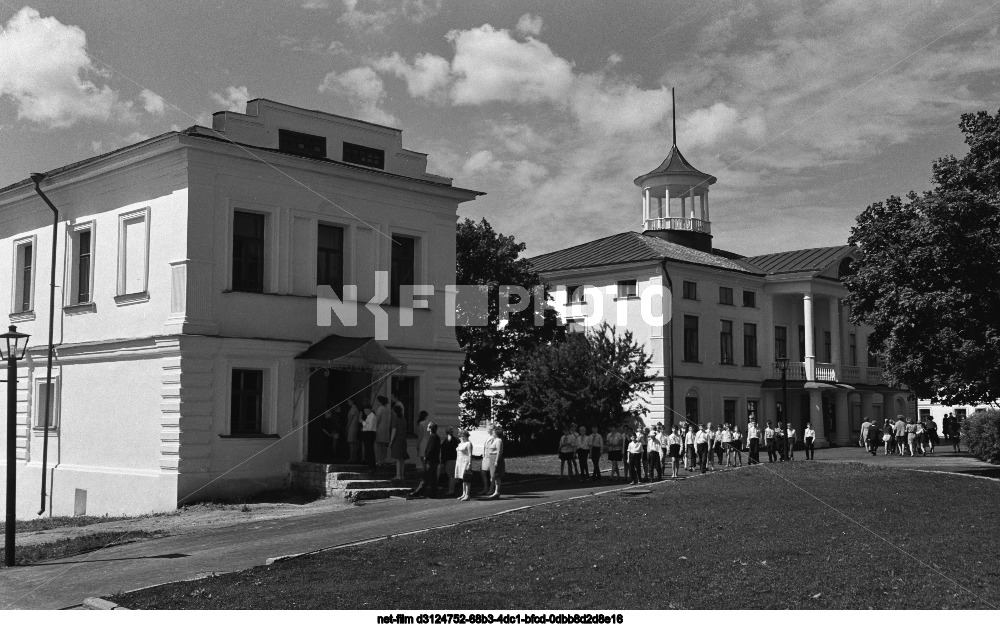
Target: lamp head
(781, 363)
(13, 344)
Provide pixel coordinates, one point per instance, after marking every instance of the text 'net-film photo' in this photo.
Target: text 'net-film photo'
(265, 353)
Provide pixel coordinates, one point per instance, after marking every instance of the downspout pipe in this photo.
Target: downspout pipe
(37, 179)
(670, 332)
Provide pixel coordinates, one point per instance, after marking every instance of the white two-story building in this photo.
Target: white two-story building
(726, 317)
(191, 354)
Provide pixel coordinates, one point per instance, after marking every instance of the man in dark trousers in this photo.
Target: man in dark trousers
(432, 457)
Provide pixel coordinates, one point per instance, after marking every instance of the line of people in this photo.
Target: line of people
(904, 436)
(644, 452)
(451, 459)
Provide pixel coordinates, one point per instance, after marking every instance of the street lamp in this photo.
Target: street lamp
(782, 364)
(13, 344)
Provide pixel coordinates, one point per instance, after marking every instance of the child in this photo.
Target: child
(567, 452)
(614, 447)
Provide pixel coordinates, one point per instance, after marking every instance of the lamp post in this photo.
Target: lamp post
(12, 347)
(782, 364)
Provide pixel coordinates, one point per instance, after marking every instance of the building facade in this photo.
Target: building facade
(194, 358)
(726, 318)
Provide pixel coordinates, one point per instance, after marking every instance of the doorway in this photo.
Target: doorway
(329, 390)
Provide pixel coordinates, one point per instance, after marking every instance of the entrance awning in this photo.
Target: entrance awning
(351, 354)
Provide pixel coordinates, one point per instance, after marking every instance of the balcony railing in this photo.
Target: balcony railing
(679, 224)
(831, 372)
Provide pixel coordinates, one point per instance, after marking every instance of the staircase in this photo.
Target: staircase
(349, 481)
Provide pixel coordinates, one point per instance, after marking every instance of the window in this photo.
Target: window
(133, 240)
(81, 252)
(402, 271)
(246, 412)
(780, 342)
(24, 287)
(802, 343)
(729, 411)
(690, 338)
(726, 342)
(575, 326)
(690, 290)
(41, 403)
(627, 289)
(364, 156)
(749, 298)
(853, 348)
(751, 409)
(330, 258)
(960, 414)
(872, 357)
(248, 251)
(749, 344)
(725, 295)
(691, 410)
(827, 346)
(574, 294)
(925, 414)
(301, 143)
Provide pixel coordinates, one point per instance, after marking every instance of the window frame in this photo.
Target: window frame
(337, 289)
(689, 290)
(690, 339)
(121, 296)
(74, 234)
(267, 218)
(37, 399)
(752, 300)
(628, 294)
(17, 284)
(576, 290)
(378, 163)
(287, 136)
(726, 404)
(750, 357)
(724, 339)
(263, 407)
(728, 300)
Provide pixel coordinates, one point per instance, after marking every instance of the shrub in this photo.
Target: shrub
(981, 434)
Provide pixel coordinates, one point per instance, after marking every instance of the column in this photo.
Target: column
(807, 306)
(835, 334)
(705, 206)
(843, 436)
(816, 416)
(645, 207)
(666, 203)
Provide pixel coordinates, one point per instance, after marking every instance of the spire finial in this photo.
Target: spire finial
(673, 110)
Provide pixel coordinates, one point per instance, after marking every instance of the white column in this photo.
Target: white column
(835, 334)
(807, 306)
(645, 207)
(704, 197)
(842, 422)
(666, 203)
(684, 210)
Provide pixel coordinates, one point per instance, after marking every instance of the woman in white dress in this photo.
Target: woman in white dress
(487, 470)
(463, 462)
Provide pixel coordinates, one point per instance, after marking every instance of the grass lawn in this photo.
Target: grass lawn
(28, 554)
(746, 539)
(51, 523)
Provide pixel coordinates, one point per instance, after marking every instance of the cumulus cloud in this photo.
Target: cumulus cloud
(529, 24)
(44, 69)
(235, 98)
(152, 102)
(363, 89)
(376, 15)
(427, 77)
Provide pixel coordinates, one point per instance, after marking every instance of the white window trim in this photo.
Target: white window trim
(15, 313)
(72, 257)
(121, 297)
(36, 405)
(271, 230)
(268, 404)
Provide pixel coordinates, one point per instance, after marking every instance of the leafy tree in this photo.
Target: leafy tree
(928, 280)
(488, 258)
(593, 378)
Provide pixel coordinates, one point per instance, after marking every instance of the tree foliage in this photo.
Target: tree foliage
(488, 258)
(592, 378)
(928, 280)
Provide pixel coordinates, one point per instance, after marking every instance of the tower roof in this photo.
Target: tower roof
(675, 163)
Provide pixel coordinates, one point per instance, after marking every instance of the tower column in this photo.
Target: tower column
(810, 356)
(704, 197)
(645, 207)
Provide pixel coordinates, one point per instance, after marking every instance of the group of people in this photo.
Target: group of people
(375, 432)
(451, 458)
(906, 436)
(645, 451)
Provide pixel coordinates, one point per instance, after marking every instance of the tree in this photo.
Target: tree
(592, 378)
(488, 258)
(928, 278)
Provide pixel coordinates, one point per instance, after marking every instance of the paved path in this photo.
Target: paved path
(66, 582)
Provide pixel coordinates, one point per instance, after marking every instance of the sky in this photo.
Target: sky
(806, 112)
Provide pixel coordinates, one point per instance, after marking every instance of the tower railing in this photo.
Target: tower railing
(679, 224)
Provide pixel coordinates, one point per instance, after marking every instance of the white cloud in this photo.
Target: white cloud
(152, 102)
(43, 68)
(490, 65)
(375, 15)
(363, 89)
(428, 77)
(609, 106)
(529, 24)
(235, 98)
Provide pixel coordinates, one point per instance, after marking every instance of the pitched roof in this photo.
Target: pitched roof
(630, 246)
(804, 260)
(675, 163)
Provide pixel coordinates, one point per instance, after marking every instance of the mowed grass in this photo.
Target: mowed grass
(729, 540)
(72, 546)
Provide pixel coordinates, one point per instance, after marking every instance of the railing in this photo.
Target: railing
(851, 373)
(873, 374)
(832, 372)
(679, 224)
(826, 372)
(796, 371)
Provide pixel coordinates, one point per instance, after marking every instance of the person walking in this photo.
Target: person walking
(809, 435)
(899, 430)
(614, 446)
(717, 446)
(710, 437)
(865, 426)
(727, 444)
(887, 437)
(674, 446)
(635, 459)
(769, 443)
(753, 442)
(873, 439)
(932, 433)
(428, 484)
(921, 437)
(397, 445)
(790, 441)
(463, 464)
(422, 435)
(911, 436)
(583, 452)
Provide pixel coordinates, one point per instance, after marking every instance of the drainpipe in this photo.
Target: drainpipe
(670, 332)
(37, 178)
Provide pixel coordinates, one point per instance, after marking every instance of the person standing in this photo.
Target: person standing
(635, 459)
(727, 444)
(689, 448)
(701, 443)
(753, 442)
(710, 437)
(717, 444)
(865, 426)
(911, 436)
(422, 435)
(449, 455)
(779, 442)
(596, 449)
(433, 455)
(463, 464)
(887, 436)
(498, 462)
(368, 432)
(675, 444)
(353, 431)
(900, 434)
(397, 444)
(810, 438)
(932, 433)
(489, 447)
(736, 445)
(653, 455)
(583, 452)
(873, 439)
(567, 453)
(614, 447)
(790, 441)
(383, 429)
(769, 443)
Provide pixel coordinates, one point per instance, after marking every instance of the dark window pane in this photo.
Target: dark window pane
(248, 252)
(26, 278)
(330, 258)
(301, 143)
(726, 296)
(247, 401)
(402, 270)
(690, 290)
(802, 343)
(726, 343)
(749, 344)
(781, 342)
(626, 289)
(83, 269)
(749, 299)
(690, 338)
(364, 156)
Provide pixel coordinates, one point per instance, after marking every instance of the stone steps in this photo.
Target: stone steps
(377, 493)
(350, 481)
